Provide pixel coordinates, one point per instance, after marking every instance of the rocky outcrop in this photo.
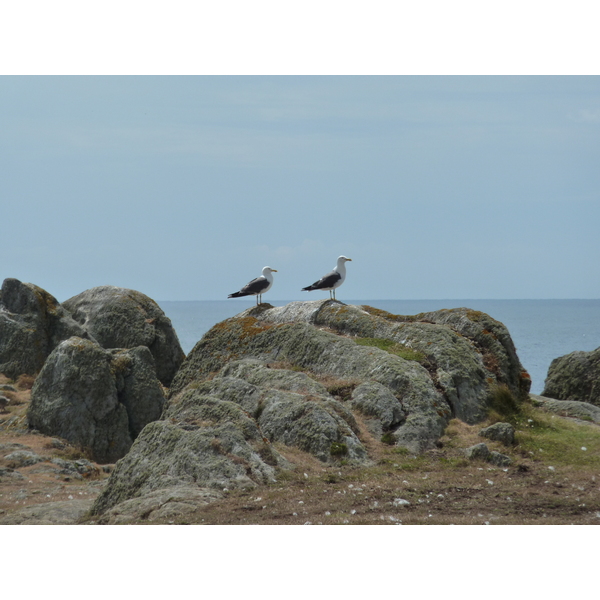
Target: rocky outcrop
(50, 513)
(222, 433)
(120, 318)
(253, 334)
(213, 454)
(319, 376)
(463, 352)
(94, 398)
(583, 411)
(575, 377)
(32, 324)
(159, 505)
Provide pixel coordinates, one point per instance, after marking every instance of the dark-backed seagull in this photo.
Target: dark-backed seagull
(257, 287)
(332, 280)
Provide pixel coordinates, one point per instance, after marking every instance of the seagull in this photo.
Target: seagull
(257, 287)
(332, 280)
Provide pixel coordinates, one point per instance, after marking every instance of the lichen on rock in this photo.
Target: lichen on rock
(575, 377)
(121, 318)
(94, 398)
(271, 378)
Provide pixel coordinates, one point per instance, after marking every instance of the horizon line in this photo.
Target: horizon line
(390, 300)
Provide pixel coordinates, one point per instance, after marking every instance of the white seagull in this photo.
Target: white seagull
(257, 287)
(332, 280)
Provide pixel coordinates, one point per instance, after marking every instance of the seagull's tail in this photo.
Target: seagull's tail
(310, 288)
(237, 295)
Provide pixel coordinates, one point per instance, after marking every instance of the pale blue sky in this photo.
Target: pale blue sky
(185, 187)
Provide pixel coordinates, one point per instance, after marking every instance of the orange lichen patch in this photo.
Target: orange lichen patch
(475, 315)
(377, 312)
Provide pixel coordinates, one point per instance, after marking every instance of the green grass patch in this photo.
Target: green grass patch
(388, 438)
(558, 441)
(503, 405)
(338, 449)
(392, 347)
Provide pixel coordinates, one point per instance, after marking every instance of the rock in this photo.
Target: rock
(4, 402)
(478, 452)
(165, 504)
(251, 334)
(482, 452)
(137, 386)
(9, 473)
(304, 375)
(22, 458)
(12, 446)
(294, 409)
(568, 408)
(500, 432)
(79, 469)
(498, 459)
(468, 350)
(121, 318)
(576, 377)
(492, 341)
(50, 513)
(32, 324)
(95, 398)
(464, 354)
(375, 400)
(215, 456)
(6, 387)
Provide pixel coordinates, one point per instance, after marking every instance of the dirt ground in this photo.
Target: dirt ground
(439, 487)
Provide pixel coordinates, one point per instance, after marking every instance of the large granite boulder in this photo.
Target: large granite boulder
(32, 324)
(120, 318)
(575, 377)
(97, 399)
(212, 455)
(304, 346)
(326, 378)
(464, 353)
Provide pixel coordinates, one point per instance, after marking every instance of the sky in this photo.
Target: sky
(184, 187)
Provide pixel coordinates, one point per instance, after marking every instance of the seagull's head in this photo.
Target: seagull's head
(343, 259)
(268, 270)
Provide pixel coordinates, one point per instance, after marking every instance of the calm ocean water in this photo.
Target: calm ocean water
(541, 329)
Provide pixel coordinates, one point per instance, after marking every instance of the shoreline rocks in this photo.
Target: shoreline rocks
(32, 324)
(575, 377)
(94, 398)
(121, 318)
(297, 376)
(322, 377)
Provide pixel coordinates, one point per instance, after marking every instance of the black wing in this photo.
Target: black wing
(256, 286)
(327, 281)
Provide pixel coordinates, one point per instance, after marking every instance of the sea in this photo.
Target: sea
(542, 330)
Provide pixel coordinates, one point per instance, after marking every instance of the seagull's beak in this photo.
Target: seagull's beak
(274, 270)
(349, 259)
